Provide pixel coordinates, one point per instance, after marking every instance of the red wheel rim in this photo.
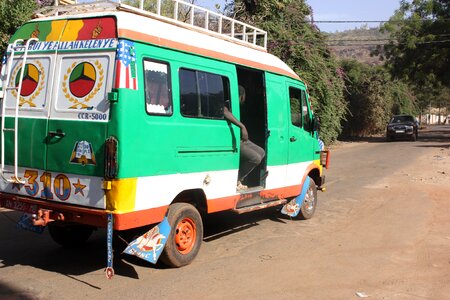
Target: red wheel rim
(185, 235)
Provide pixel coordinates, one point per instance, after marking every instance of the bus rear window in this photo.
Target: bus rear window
(83, 83)
(158, 99)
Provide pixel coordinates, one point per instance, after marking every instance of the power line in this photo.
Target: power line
(371, 21)
(381, 44)
(388, 40)
(384, 40)
(376, 40)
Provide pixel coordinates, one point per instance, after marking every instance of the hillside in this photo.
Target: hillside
(357, 44)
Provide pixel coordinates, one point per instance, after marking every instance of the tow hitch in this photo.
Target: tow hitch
(44, 216)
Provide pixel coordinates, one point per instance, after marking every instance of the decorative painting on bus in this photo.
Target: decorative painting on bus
(83, 86)
(126, 66)
(34, 83)
(68, 30)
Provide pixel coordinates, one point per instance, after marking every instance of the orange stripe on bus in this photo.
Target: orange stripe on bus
(139, 218)
(134, 35)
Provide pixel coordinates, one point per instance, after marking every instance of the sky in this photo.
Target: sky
(353, 10)
(341, 10)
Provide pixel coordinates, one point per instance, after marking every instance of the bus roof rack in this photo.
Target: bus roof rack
(178, 12)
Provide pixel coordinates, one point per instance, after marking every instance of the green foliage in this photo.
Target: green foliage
(302, 46)
(421, 53)
(166, 9)
(373, 97)
(13, 13)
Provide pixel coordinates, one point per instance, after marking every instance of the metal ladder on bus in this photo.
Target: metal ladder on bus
(7, 88)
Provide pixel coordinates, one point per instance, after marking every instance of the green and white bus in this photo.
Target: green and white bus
(113, 116)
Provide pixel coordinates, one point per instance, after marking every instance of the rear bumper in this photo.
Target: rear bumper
(82, 215)
(71, 213)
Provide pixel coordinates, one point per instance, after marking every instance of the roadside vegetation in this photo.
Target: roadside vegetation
(353, 98)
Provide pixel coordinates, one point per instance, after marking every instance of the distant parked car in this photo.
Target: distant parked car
(402, 127)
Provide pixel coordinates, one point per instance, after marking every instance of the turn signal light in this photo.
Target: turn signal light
(325, 158)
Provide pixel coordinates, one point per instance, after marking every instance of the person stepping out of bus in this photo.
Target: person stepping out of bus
(251, 154)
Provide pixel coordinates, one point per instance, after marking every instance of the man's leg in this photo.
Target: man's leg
(251, 156)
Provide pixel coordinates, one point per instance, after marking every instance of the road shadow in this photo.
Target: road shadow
(226, 223)
(367, 139)
(430, 133)
(9, 293)
(443, 146)
(21, 247)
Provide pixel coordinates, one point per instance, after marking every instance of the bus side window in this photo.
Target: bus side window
(158, 98)
(305, 113)
(295, 103)
(202, 94)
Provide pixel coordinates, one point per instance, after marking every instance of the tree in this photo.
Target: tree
(373, 97)
(167, 8)
(13, 13)
(302, 46)
(421, 50)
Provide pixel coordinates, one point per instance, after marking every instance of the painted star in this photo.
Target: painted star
(16, 185)
(79, 187)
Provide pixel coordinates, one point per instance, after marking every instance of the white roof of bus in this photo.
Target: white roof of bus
(166, 34)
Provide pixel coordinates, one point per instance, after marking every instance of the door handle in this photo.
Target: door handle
(58, 134)
(293, 139)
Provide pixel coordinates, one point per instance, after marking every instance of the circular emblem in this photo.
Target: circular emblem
(30, 80)
(82, 79)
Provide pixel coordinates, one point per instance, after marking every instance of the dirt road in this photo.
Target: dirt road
(381, 230)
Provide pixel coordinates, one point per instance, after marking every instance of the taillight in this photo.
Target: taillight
(111, 163)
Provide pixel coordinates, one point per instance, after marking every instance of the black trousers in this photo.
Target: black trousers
(251, 156)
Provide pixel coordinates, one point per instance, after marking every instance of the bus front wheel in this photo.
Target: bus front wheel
(310, 202)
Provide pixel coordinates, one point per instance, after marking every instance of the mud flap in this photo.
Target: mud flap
(26, 222)
(292, 208)
(150, 245)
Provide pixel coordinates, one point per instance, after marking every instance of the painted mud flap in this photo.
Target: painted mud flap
(292, 208)
(150, 245)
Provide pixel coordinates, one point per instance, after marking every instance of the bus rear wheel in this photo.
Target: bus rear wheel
(185, 238)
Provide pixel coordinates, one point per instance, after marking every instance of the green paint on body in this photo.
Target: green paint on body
(161, 145)
(31, 142)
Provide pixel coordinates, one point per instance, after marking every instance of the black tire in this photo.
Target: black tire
(186, 236)
(310, 202)
(70, 235)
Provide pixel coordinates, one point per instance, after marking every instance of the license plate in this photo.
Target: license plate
(19, 206)
(399, 131)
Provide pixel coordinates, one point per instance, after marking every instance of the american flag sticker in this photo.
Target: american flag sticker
(126, 76)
